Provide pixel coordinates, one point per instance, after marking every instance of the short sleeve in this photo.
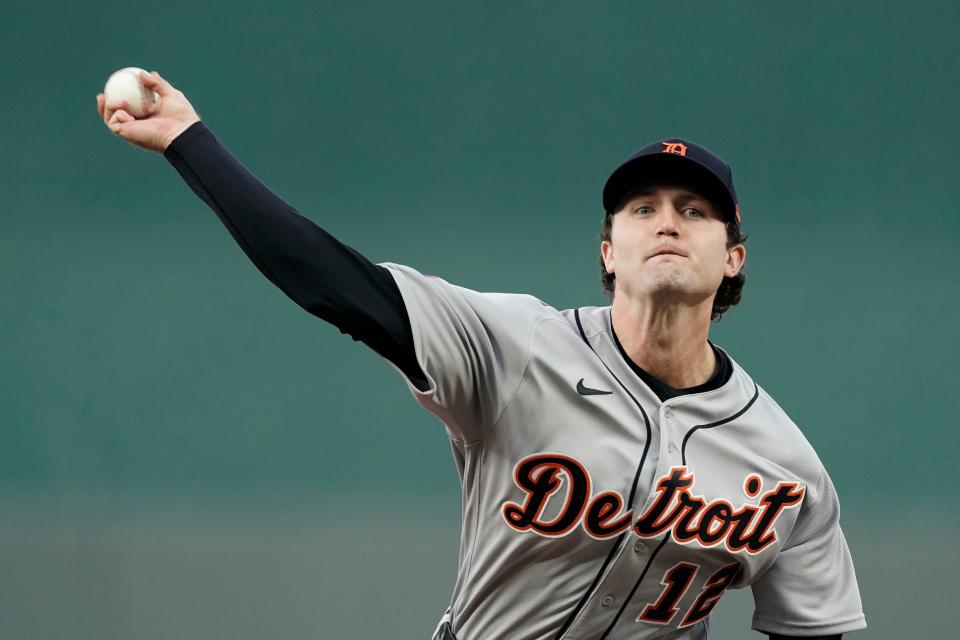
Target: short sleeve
(811, 588)
(472, 347)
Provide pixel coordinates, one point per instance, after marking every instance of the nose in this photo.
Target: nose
(667, 224)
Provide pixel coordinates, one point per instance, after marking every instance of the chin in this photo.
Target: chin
(667, 280)
(670, 285)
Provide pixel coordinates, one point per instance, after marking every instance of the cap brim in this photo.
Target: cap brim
(666, 168)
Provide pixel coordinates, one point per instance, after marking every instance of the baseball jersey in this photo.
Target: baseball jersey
(591, 509)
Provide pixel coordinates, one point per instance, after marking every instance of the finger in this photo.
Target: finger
(120, 116)
(110, 106)
(113, 105)
(124, 128)
(100, 101)
(154, 81)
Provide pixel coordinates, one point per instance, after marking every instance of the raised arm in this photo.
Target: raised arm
(318, 272)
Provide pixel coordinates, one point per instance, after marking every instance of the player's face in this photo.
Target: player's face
(670, 244)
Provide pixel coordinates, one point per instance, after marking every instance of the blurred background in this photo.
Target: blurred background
(185, 453)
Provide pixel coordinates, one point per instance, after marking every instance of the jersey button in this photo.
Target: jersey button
(639, 546)
(606, 600)
(668, 412)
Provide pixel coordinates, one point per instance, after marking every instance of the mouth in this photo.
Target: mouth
(667, 251)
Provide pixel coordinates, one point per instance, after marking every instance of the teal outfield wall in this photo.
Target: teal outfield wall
(174, 431)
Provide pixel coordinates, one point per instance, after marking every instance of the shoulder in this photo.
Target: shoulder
(416, 286)
(782, 439)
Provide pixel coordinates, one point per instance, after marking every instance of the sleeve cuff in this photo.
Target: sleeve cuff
(818, 629)
(182, 141)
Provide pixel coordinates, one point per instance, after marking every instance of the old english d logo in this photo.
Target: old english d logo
(674, 147)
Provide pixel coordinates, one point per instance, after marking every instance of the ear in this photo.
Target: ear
(606, 252)
(736, 255)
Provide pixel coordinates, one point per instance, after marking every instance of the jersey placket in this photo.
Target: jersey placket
(611, 612)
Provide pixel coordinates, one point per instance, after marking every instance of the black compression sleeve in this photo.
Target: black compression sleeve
(317, 271)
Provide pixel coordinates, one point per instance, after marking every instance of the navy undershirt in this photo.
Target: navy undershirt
(318, 272)
(721, 373)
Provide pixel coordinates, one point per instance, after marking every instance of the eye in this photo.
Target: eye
(694, 212)
(643, 210)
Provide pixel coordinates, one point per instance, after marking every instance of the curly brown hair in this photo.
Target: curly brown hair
(729, 291)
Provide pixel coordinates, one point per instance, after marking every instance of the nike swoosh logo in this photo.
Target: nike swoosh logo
(587, 391)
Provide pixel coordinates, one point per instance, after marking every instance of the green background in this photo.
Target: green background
(186, 453)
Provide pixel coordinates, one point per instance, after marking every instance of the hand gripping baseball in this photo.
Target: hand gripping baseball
(172, 115)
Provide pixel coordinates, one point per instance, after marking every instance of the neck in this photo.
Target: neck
(668, 341)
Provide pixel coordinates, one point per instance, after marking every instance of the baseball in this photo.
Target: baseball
(125, 85)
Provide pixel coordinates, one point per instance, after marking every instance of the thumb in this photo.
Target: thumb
(155, 82)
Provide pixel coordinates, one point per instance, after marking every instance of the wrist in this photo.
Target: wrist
(176, 132)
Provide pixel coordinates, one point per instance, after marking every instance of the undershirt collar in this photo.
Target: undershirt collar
(721, 373)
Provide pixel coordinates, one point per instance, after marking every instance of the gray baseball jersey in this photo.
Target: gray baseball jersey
(591, 509)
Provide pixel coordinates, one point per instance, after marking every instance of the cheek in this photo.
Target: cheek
(710, 256)
(629, 260)
(718, 262)
(623, 246)
(626, 253)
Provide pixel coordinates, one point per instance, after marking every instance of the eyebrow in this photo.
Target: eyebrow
(686, 195)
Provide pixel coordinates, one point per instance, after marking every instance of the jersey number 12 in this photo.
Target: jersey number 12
(677, 580)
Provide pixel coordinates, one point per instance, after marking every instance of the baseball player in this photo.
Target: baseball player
(619, 470)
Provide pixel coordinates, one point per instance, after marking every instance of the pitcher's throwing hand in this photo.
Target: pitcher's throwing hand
(172, 116)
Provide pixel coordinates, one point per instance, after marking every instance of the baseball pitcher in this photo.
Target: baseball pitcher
(620, 471)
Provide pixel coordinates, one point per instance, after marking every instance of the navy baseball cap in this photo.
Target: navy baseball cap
(671, 160)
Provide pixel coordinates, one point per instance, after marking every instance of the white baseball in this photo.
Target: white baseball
(125, 85)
